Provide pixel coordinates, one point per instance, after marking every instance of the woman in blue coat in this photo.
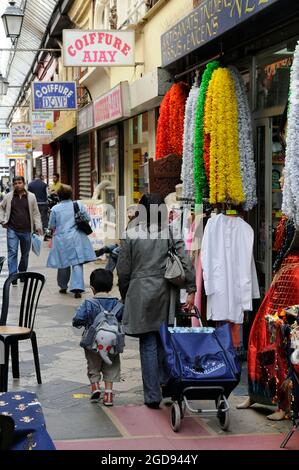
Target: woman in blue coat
(71, 248)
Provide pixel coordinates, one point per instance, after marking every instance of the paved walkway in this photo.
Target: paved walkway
(75, 423)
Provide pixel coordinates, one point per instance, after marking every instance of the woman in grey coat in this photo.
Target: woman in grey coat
(147, 294)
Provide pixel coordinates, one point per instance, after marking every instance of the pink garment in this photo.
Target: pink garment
(198, 271)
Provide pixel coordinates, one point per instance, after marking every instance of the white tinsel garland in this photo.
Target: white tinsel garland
(187, 172)
(246, 151)
(290, 201)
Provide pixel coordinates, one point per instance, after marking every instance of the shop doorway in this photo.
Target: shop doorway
(270, 163)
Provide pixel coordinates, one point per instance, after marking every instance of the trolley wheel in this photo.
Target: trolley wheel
(182, 405)
(223, 416)
(175, 417)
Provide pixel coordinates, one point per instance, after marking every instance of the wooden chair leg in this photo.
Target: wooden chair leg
(4, 369)
(15, 360)
(36, 358)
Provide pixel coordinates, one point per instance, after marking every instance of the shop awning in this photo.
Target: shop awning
(15, 66)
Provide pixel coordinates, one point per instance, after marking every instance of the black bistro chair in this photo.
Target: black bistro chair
(10, 335)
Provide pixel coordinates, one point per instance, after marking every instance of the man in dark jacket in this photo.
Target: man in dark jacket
(39, 188)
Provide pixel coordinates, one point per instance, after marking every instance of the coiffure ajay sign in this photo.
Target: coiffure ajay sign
(98, 48)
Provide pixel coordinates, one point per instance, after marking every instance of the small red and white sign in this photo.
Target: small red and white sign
(113, 105)
(98, 48)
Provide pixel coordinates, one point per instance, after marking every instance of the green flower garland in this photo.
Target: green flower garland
(199, 169)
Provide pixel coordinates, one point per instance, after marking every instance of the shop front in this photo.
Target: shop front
(140, 130)
(259, 39)
(85, 151)
(110, 109)
(45, 166)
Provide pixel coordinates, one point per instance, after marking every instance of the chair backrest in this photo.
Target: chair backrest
(7, 427)
(2, 259)
(32, 287)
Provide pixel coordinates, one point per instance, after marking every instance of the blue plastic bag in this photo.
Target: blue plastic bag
(36, 244)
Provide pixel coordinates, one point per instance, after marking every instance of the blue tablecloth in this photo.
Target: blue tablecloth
(30, 428)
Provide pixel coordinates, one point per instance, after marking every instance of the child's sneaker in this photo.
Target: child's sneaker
(108, 398)
(95, 391)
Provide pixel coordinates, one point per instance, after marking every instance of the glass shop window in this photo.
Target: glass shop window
(273, 78)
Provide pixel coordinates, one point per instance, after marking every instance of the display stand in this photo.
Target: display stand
(295, 423)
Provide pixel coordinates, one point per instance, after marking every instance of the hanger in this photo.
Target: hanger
(196, 79)
(229, 210)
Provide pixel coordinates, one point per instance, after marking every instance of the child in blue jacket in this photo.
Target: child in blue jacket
(101, 281)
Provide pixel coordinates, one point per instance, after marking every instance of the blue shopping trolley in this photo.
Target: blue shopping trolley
(201, 364)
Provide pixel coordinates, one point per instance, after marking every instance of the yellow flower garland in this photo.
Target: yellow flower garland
(221, 122)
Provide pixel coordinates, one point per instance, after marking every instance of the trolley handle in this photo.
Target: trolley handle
(194, 313)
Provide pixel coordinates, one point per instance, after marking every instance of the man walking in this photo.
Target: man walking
(39, 188)
(55, 185)
(20, 215)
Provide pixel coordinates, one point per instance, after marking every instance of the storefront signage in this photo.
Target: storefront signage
(113, 105)
(54, 95)
(21, 137)
(85, 120)
(42, 123)
(209, 20)
(98, 48)
(102, 230)
(5, 144)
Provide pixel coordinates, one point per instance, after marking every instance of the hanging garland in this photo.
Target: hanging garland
(177, 102)
(245, 141)
(199, 169)
(171, 121)
(163, 141)
(290, 201)
(206, 155)
(221, 122)
(187, 173)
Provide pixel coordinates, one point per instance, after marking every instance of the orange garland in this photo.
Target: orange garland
(170, 129)
(163, 147)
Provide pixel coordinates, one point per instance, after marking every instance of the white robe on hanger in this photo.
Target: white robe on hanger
(229, 271)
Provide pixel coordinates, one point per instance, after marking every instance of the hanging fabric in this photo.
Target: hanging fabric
(229, 271)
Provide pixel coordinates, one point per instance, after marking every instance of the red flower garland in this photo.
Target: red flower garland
(170, 129)
(178, 97)
(163, 147)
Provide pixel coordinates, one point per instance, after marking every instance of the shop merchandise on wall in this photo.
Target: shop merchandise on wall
(267, 360)
(217, 168)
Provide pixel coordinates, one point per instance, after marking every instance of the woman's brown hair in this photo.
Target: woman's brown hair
(65, 192)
